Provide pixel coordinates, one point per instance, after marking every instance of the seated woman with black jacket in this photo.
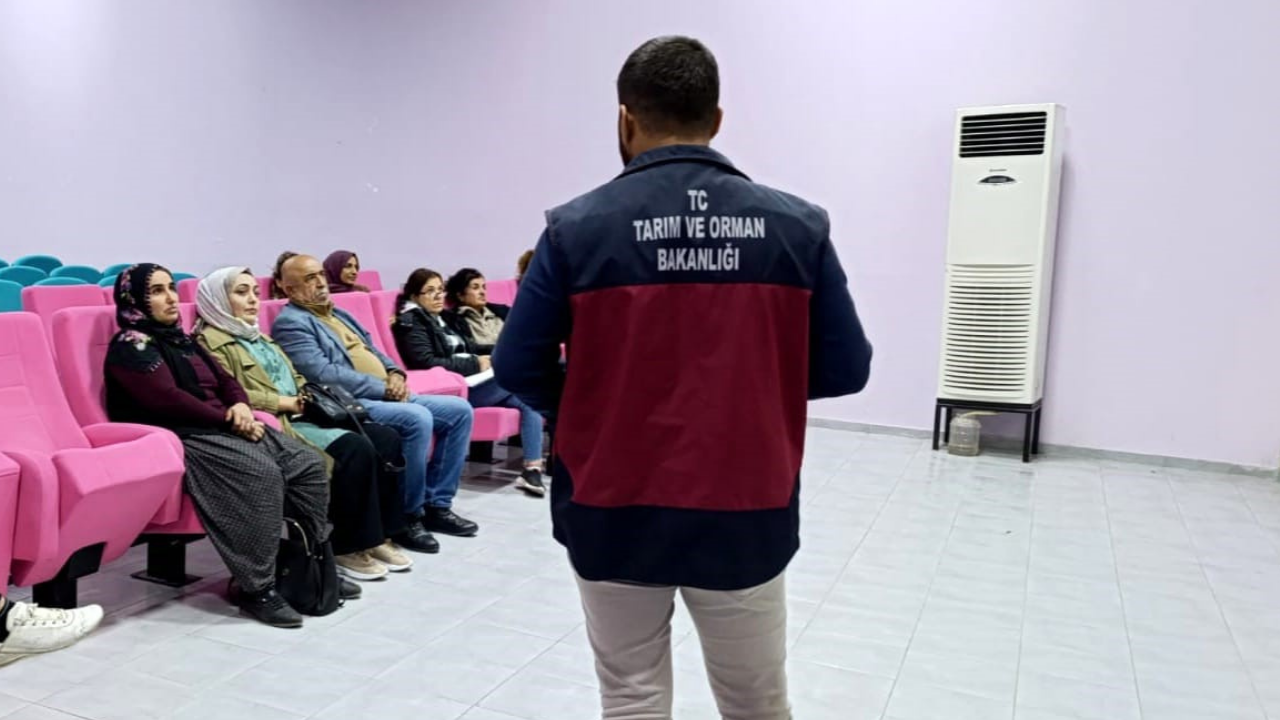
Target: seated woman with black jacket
(426, 341)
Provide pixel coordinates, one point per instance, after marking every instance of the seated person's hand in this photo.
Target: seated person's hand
(486, 362)
(241, 418)
(397, 390)
(255, 432)
(291, 405)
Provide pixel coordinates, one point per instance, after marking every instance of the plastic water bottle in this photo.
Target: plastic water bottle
(965, 434)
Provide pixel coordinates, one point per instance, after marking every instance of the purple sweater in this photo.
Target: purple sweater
(153, 398)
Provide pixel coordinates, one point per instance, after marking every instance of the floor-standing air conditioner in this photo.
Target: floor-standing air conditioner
(1000, 244)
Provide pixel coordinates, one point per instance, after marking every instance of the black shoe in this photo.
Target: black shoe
(348, 590)
(446, 522)
(530, 481)
(416, 538)
(268, 607)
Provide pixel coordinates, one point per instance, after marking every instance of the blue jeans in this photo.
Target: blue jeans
(488, 394)
(422, 417)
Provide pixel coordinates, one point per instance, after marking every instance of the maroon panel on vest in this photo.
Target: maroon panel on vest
(686, 396)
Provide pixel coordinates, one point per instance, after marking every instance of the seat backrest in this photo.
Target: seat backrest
(264, 287)
(88, 274)
(47, 263)
(45, 300)
(108, 281)
(111, 271)
(34, 413)
(180, 276)
(10, 296)
(189, 315)
(22, 274)
(384, 307)
(268, 311)
(63, 281)
(357, 303)
(4, 264)
(80, 338)
(9, 472)
(502, 292)
(370, 279)
(187, 290)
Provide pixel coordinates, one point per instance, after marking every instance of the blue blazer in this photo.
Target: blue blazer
(319, 355)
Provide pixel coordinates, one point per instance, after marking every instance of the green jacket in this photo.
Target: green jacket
(244, 367)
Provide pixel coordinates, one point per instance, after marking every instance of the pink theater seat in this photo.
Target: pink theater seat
(268, 310)
(436, 381)
(188, 312)
(86, 494)
(81, 336)
(264, 287)
(187, 290)
(501, 292)
(9, 476)
(384, 313)
(370, 279)
(45, 300)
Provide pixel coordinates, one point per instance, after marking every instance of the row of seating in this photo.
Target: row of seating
(75, 490)
(50, 265)
(65, 275)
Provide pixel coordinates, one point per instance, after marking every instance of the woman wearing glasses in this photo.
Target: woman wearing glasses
(426, 341)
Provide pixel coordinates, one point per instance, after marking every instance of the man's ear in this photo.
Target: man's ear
(627, 126)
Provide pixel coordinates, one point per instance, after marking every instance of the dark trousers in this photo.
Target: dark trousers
(365, 505)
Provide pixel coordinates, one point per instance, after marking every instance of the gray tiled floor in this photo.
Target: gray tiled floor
(928, 587)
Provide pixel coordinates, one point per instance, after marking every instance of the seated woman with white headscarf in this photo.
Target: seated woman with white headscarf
(365, 506)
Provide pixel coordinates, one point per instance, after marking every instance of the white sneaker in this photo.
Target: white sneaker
(34, 630)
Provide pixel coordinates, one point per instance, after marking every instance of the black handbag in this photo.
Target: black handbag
(306, 576)
(332, 407)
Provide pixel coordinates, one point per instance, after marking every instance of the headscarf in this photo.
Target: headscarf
(144, 343)
(333, 272)
(213, 303)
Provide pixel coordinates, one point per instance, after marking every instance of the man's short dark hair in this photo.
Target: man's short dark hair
(672, 85)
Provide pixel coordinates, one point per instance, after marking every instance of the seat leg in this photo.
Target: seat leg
(1035, 432)
(946, 427)
(481, 452)
(60, 590)
(167, 561)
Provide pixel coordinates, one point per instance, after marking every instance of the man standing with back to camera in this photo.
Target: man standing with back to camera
(701, 311)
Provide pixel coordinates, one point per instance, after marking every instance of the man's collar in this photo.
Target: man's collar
(679, 153)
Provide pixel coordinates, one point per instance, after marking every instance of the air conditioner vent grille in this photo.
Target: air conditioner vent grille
(1003, 134)
(989, 332)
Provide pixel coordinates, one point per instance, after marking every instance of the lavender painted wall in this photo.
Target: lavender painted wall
(436, 133)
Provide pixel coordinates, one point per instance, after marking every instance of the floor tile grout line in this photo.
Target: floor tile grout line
(1026, 592)
(1235, 643)
(928, 591)
(1272, 538)
(1111, 542)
